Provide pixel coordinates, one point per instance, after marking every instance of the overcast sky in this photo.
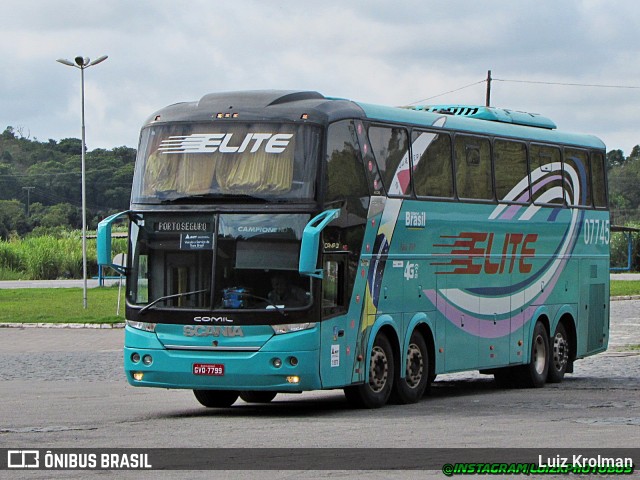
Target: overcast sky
(377, 51)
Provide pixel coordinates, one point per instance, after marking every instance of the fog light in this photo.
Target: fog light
(293, 361)
(293, 379)
(147, 359)
(277, 362)
(135, 357)
(138, 376)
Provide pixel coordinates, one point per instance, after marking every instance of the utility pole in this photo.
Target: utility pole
(488, 99)
(28, 189)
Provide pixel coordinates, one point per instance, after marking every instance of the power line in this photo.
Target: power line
(538, 82)
(594, 85)
(446, 93)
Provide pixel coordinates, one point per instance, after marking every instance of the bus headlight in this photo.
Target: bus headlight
(292, 327)
(147, 327)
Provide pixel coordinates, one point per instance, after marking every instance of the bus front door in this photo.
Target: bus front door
(333, 343)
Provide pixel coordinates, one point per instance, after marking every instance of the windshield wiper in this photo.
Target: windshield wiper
(168, 297)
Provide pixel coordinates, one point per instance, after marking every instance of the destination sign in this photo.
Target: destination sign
(183, 226)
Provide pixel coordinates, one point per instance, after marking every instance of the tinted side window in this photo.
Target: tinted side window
(346, 176)
(334, 300)
(432, 176)
(391, 150)
(473, 167)
(578, 172)
(546, 175)
(510, 164)
(598, 180)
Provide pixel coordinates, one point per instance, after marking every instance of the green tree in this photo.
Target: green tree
(70, 146)
(59, 215)
(12, 218)
(615, 158)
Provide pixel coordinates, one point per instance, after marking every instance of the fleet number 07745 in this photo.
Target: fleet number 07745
(596, 232)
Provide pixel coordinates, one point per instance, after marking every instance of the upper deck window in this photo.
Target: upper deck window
(473, 167)
(598, 180)
(218, 160)
(512, 177)
(346, 177)
(546, 175)
(577, 176)
(391, 150)
(431, 164)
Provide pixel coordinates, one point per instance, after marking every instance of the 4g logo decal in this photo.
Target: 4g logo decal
(411, 271)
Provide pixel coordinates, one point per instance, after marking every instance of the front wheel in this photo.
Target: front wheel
(411, 387)
(375, 393)
(559, 355)
(216, 398)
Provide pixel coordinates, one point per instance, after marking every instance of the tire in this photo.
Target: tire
(258, 397)
(559, 355)
(411, 387)
(534, 374)
(376, 391)
(216, 398)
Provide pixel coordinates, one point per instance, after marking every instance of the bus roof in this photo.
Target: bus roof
(291, 105)
(486, 121)
(489, 113)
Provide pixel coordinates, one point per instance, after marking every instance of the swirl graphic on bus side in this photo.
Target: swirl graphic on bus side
(549, 184)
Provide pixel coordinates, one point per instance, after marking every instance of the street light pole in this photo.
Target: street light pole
(82, 63)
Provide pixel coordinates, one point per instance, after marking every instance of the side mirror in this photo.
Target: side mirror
(104, 243)
(311, 242)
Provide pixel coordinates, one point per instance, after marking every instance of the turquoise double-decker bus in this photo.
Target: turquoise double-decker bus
(284, 241)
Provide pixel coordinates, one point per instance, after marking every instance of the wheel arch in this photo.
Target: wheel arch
(386, 325)
(426, 327)
(567, 320)
(540, 315)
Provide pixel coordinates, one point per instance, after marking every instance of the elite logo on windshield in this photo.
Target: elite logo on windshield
(225, 143)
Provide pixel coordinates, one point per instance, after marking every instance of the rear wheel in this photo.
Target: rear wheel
(411, 387)
(258, 397)
(559, 355)
(216, 398)
(375, 393)
(534, 374)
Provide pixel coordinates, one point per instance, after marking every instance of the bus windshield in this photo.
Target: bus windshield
(252, 262)
(266, 161)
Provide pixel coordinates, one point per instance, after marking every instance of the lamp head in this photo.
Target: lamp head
(65, 62)
(82, 62)
(98, 60)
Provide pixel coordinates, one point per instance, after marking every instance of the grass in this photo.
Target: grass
(8, 274)
(50, 257)
(60, 305)
(625, 287)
